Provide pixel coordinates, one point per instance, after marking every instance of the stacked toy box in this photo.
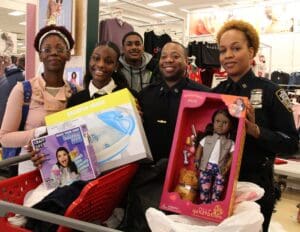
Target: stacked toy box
(114, 126)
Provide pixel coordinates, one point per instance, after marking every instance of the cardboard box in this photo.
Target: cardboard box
(69, 157)
(197, 108)
(114, 126)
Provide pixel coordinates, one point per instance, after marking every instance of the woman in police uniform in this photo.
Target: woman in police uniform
(270, 126)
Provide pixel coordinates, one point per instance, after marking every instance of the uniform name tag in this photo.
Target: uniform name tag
(256, 98)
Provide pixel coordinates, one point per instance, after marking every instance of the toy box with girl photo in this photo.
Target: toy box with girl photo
(114, 125)
(69, 157)
(205, 157)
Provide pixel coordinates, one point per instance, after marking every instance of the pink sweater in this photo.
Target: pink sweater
(42, 103)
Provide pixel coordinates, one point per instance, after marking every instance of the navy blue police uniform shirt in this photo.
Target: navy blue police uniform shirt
(278, 134)
(159, 105)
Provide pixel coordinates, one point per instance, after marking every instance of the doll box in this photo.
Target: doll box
(195, 111)
(69, 157)
(115, 128)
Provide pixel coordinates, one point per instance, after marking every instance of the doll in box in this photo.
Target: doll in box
(213, 156)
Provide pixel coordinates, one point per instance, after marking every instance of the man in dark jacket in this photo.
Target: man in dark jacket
(13, 75)
(159, 103)
(8, 78)
(138, 66)
(5, 86)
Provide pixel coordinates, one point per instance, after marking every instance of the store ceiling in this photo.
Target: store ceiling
(11, 23)
(177, 8)
(134, 14)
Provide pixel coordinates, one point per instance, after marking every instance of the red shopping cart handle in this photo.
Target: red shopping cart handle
(6, 207)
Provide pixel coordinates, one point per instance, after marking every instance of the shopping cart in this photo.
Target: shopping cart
(95, 203)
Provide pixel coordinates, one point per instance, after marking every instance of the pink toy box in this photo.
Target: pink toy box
(195, 111)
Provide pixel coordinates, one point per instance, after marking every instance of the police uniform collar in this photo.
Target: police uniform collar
(176, 89)
(243, 83)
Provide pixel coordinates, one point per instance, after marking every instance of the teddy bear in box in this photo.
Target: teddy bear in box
(187, 186)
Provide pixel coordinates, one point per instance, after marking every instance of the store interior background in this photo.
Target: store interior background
(282, 50)
(175, 19)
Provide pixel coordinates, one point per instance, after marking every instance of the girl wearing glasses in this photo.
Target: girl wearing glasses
(49, 92)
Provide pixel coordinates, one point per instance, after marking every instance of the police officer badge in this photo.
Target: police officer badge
(256, 98)
(284, 99)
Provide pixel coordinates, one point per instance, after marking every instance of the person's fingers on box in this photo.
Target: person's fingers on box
(138, 107)
(37, 159)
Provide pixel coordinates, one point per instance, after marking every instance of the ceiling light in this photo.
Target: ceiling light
(23, 23)
(184, 10)
(159, 4)
(16, 13)
(19, 43)
(158, 15)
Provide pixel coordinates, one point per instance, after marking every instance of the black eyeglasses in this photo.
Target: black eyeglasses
(48, 50)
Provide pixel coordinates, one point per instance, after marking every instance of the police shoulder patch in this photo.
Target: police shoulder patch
(284, 99)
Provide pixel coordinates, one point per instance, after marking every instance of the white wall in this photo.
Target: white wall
(285, 51)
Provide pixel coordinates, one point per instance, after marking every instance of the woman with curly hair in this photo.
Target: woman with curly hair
(269, 125)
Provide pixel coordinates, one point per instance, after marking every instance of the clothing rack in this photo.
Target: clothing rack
(152, 9)
(203, 38)
(122, 16)
(145, 23)
(158, 24)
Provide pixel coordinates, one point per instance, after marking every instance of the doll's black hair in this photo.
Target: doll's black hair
(71, 164)
(209, 130)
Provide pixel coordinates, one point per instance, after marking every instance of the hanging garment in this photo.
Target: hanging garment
(154, 43)
(207, 54)
(113, 30)
(210, 55)
(194, 73)
(195, 50)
